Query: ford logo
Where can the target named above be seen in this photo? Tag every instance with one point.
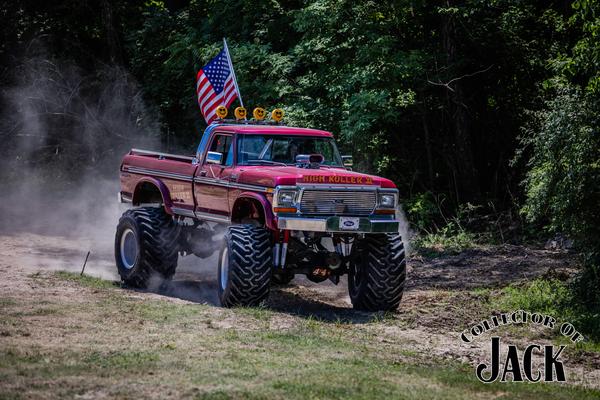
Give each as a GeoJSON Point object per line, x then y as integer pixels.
{"type": "Point", "coordinates": [348, 223]}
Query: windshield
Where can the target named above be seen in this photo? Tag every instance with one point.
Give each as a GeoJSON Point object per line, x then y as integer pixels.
{"type": "Point", "coordinates": [278, 149]}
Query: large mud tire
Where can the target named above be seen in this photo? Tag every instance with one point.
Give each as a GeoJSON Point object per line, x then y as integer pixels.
{"type": "Point", "coordinates": [245, 264]}
{"type": "Point", "coordinates": [146, 244]}
{"type": "Point", "coordinates": [377, 273]}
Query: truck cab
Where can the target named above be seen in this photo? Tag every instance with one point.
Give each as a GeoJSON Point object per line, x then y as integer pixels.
{"type": "Point", "coordinates": [273, 164]}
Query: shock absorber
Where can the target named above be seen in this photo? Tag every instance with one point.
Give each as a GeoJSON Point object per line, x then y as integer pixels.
{"type": "Point", "coordinates": [337, 243]}
{"type": "Point", "coordinates": [276, 248]}
{"type": "Point", "coordinates": [282, 239]}
{"type": "Point", "coordinates": [284, 247]}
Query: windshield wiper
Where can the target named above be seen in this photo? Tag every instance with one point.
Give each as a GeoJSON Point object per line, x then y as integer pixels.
{"type": "Point", "coordinates": [267, 162]}
{"type": "Point", "coordinates": [265, 149]}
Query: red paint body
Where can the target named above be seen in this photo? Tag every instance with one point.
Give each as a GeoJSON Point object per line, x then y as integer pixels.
{"type": "Point", "coordinates": [193, 188]}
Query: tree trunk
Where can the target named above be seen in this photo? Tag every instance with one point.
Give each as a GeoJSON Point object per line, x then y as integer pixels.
{"type": "Point", "coordinates": [112, 38]}
{"type": "Point", "coordinates": [427, 146]}
{"type": "Point", "coordinates": [467, 176]}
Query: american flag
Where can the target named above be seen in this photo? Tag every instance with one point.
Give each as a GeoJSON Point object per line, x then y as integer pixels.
{"type": "Point", "coordinates": [215, 86]}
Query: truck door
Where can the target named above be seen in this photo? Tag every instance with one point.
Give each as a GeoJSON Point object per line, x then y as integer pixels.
{"type": "Point", "coordinates": [212, 179]}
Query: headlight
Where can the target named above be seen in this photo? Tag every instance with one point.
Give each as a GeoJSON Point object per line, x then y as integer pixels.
{"type": "Point", "coordinates": [387, 200]}
{"type": "Point", "coordinates": [286, 197]}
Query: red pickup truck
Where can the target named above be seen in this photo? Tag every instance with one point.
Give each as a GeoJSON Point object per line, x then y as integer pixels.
{"type": "Point", "coordinates": [274, 201]}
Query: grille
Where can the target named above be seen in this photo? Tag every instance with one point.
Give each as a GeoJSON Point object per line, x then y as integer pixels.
{"type": "Point", "coordinates": [337, 202]}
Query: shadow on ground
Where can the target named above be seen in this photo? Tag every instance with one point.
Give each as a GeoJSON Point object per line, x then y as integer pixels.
{"type": "Point", "coordinates": [300, 298]}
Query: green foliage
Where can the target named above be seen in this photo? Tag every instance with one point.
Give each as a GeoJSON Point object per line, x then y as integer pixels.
{"type": "Point", "coordinates": [563, 181]}
{"type": "Point", "coordinates": [422, 211]}
{"type": "Point", "coordinates": [438, 234]}
{"type": "Point", "coordinates": [563, 184]}
{"type": "Point", "coordinates": [552, 297]}
{"type": "Point", "coordinates": [373, 73]}
{"type": "Point", "coordinates": [583, 64]}
{"type": "Point", "coordinates": [429, 95]}
{"type": "Point", "coordinates": [450, 239]}
{"type": "Point", "coordinates": [444, 230]}
{"type": "Point", "coordinates": [540, 295]}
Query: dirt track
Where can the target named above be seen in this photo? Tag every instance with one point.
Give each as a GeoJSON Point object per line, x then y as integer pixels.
{"type": "Point", "coordinates": [437, 305]}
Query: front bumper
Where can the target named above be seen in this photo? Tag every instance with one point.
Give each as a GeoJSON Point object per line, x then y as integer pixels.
{"type": "Point", "coordinates": [332, 224]}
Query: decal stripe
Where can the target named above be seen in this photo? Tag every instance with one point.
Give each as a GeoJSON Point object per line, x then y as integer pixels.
{"type": "Point", "coordinates": [145, 171]}
{"type": "Point", "coordinates": [187, 178]}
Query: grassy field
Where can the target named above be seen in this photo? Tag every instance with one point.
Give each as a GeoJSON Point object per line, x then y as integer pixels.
{"type": "Point", "coordinates": [85, 337]}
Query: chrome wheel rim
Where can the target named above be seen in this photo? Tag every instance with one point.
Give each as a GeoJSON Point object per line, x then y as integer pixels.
{"type": "Point", "coordinates": [224, 268]}
{"type": "Point", "coordinates": [129, 248]}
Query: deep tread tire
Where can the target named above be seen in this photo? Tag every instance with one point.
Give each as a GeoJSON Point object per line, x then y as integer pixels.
{"type": "Point", "coordinates": [250, 259]}
{"type": "Point", "coordinates": [157, 238]}
{"type": "Point", "coordinates": [378, 273]}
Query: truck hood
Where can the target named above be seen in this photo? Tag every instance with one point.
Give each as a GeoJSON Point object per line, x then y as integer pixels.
{"type": "Point", "coordinates": [272, 176]}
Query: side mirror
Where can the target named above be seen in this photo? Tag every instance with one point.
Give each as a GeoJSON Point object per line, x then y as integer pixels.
{"type": "Point", "coordinates": [214, 157]}
{"type": "Point", "coordinates": [347, 161]}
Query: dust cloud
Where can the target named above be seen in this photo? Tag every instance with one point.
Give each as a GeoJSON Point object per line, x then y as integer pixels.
{"type": "Point", "coordinates": [63, 132]}
{"type": "Point", "coordinates": [404, 229]}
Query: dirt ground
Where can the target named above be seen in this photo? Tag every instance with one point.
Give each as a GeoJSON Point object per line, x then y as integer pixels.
{"type": "Point", "coordinates": [441, 298]}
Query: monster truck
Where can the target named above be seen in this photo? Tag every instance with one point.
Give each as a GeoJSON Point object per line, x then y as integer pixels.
{"type": "Point", "coordinates": [274, 201]}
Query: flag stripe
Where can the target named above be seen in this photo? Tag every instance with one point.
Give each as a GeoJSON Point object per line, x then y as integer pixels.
{"type": "Point", "coordinates": [207, 100]}
{"type": "Point", "coordinates": [230, 93]}
{"type": "Point", "coordinates": [211, 100]}
{"type": "Point", "coordinates": [229, 99]}
{"type": "Point", "coordinates": [202, 79]}
{"type": "Point", "coordinates": [206, 86]}
{"type": "Point", "coordinates": [212, 105]}
{"type": "Point", "coordinates": [229, 86]}
{"type": "Point", "coordinates": [215, 86]}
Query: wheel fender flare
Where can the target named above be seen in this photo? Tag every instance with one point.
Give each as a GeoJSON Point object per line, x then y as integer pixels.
{"type": "Point", "coordinates": [162, 188]}
{"type": "Point", "coordinates": [267, 211]}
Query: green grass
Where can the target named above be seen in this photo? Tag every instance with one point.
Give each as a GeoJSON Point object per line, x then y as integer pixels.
{"type": "Point", "coordinates": [162, 312]}
{"type": "Point", "coordinates": [259, 313]}
{"type": "Point", "coordinates": [7, 302]}
{"type": "Point", "coordinates": [540, 295]}
{"type": "Point", "coordinates": [86, 280]}
{"type": "Point", "coordinates": [286, 366]}
{"type": "Point", "coordinates": [132, 347]}
{"type": "Point", "coordinates": [123, 360]}
{"type": "Point", "coordinates": [552, 297]}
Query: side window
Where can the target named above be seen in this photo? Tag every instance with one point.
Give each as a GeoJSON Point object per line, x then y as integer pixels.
{"type": "Point", "coordinates": [223, 144]}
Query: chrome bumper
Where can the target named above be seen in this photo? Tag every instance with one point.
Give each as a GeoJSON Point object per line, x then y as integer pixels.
{"type": "Point", "coordinates": [332, 224]}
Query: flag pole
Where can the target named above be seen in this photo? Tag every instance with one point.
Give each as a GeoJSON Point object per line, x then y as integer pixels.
{"type": "Point", "coordinates": [237, 88]}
